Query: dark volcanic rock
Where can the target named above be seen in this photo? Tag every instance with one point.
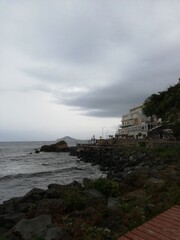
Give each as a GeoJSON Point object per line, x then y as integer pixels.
{"type": "Point", "coordinates": [33, 195]}
{"type": "Point", "coordinates": [136, 188]}
{"type": "Point", "coordinates": [9, 205]}
{"type": "Point", "coordinates": [94, 193]}
{"type": "Point", "coordinates": [28, 229]}
{"type": "Point", "coordinates": [9, 220]}
{"type": "Point", "coordinates": [49, 206]}
{"type": "Point", "coordinates": [60, 146]}
{"type": "Point", "coordinates": [118, 164]}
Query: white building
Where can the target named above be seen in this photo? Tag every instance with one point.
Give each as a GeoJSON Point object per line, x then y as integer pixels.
{"type": "Point", "coordinates": [135, 124]}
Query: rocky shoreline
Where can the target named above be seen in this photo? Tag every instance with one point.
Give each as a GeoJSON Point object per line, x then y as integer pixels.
{"type": "Point", "coordinates": [139, 185]}
{"type": "Point", "coordinates": [119, 164]}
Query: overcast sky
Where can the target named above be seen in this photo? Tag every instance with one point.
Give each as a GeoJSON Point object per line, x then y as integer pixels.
{"type": "Point", "coordinates": [73, 67]}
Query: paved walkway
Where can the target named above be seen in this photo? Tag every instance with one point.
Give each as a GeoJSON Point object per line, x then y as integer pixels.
{"type": "Point", "coordinates": [165, 226]}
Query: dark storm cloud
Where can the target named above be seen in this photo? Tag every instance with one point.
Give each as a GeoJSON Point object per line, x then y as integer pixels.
{"type": "Point", "coordinates": [152, 74]}
{"type": "Point", "coordinates": [109, 101]}
{"type": "Point", "coordinates": [101, 57]}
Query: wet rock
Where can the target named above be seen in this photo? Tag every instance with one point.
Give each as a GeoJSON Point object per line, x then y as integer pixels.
{"type": "Point", "coordinates": [24, 206]}
{"type": "Point", "coordinates": [37, 150]}
{"type": "Point", "coordinates": [9, 220]}
{"type": "Point", "coordinates": [29, 229]}
{"type": "Point", "coordinates": [10, 205]}
{"type": "Point", "coordinates": [49, 206]}
{"type": "Point", "coordinates": [34, 195]}
{"type": "Point", "coordinates": [75, 184]}
{"type": "Point", "coordinates": [113, 203]}
{"type": "Point", "coordinates": [55, 186]}
{"type": "Point", "coordinates": [112, 222]}
{"type": "Point", "coordinates": [118, 176]}
{"type": "Point", "coordinates": [55, 191]}
{"type": "Point", "coordinates": [60, 146]}
{"type": "Point", "coordinates": [86, 181]}
{"type": "Point", "coordinates": [3, 231]}
{"type": "Point", "coordinates": [55, 233]}
{"type": "Point", "coordinates": [94, 193]}
{"type": "Point", "coordinates": [52, 193]}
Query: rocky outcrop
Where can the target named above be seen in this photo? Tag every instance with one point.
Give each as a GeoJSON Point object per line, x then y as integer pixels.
{"type": "Point", "coordinates": [120, 165]}
{"type": "Point", "coordinates": [60, 146]}
{"type": "Point", "coordinates": [139, 186]}
{"type": "Point", "coordinates": [40, 227]}
{"type": "Point", "coordinates": [35, 227]}
{"type": "Point", "coordinates": [46, 214]}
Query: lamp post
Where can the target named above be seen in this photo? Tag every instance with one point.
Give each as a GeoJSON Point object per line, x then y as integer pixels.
{"type": "Point", "coordinates": [107, 132]}
{"type": "Point", "coordinates": [103, 132]}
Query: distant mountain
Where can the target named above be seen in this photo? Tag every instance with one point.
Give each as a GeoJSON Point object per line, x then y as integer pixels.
{"type": "Point", "coordinates": [72, 141]}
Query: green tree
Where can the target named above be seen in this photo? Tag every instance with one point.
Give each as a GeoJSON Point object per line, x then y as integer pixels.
{"type": "Point", "coordinates": [165, 104]}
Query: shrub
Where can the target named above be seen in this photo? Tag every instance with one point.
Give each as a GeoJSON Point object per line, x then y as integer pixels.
{"type": "Point", "coordinates": [74, 201]}
{"type": "Point", "coordinates": [106, 186]}
{"type": "Point", "coordinates": [169, 152]}
{"type": "Point", "coordinates": [98, 233]}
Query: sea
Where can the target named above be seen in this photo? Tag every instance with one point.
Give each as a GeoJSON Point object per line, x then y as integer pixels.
{"type": "Point", "coordinates": [21, 169]}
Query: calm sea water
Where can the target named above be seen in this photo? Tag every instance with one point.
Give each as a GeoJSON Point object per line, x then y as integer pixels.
{"type": "Point", "coordinates": [21, 171]}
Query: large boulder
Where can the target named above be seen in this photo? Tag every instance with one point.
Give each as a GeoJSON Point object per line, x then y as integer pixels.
{"type": "Point", "coordinates": [33, 195]}
{"type": "Point", "coordinates": [9, 220]}
{"type": "Point", "coordinates": [40, 227]}
{"type": "Point", "coordinates": [60, 146]}
{"type": "Point", "coordinates": [29, 229]}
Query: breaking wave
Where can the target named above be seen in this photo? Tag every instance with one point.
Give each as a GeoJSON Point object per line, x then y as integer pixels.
{"type": "Point", "coordinates": [21, 171]}
{"type": "Point", "coordinates": [38, 174]}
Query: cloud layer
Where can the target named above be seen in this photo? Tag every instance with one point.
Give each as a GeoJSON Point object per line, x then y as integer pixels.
{"type": "Point", "coordinates": [96, 57]}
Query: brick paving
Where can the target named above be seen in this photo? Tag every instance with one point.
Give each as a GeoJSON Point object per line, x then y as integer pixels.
{"type": "Point", "coordinates": [165, 226]}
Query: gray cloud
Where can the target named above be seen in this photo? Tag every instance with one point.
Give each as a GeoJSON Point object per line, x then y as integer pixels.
{"type": "Point", "coordinates": [101, 57]}
{"type": "Point", "coordinates": [108, 102]}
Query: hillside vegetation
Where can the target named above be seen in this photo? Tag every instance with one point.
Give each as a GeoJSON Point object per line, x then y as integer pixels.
{"type": "Point", "coordinates": [165, 105]}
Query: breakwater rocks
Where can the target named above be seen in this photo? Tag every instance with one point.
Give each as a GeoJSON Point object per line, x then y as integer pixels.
{"type": "Point", "coordinates": [139, 185]}
{"type": "Point", "coordinates": [73, 211]}
{"type": "Point", "coordinates": [120, 164]}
